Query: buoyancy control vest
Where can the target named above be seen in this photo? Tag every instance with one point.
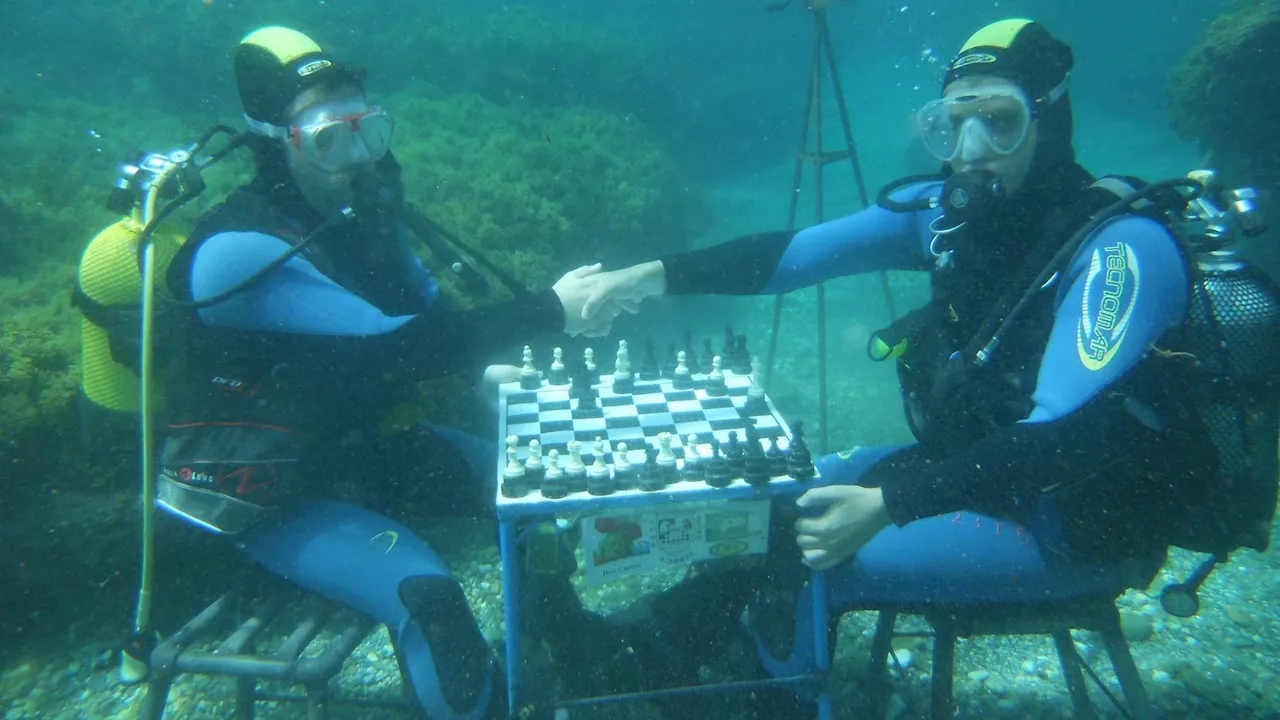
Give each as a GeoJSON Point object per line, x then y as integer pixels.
{"type": "Point", "coordinates": [1217, 375]}
{"type": "Point", "coordinates": [246, 408]}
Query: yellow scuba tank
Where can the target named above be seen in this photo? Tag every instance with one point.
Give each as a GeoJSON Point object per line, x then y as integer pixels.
{"type": "Point", "coordinates": [108, 293]}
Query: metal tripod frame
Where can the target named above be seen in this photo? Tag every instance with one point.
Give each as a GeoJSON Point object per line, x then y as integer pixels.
{"type": "Point", "coordinates": [820, 159]}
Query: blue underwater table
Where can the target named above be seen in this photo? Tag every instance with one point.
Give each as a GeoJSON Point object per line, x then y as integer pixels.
{"type": "Point", "coordinates": [638, 418]}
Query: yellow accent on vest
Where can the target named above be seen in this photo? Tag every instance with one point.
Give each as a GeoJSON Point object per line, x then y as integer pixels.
{"type": "Point", "coordinates": [1000, 34]}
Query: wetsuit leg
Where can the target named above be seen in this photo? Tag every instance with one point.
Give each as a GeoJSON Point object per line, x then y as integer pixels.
{"type": "Point", "coordinates": [958, 558]}
{"type": "Point", "coordinates": [379, 567]}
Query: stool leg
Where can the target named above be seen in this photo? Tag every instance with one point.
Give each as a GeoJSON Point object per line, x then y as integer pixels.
{"type": "Point", "coordinates": [944, 667]}
{"type": "Point", "coordinates": [246, 688]}
{"type": "Point", "coordinates": [1126, 670]}
{"type": "Point", "coordinates": [878, 683]}
{"type": "Point", "coordinates": [1075, 676]}
{"type": "Point", "coordinates": [156, 698]}
{"type": "Point", "coordinates": [318, 701]}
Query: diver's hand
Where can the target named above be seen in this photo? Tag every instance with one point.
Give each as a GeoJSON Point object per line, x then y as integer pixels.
{"type": "Point", "coordinates": [498, 374]}
{"type": "Point", "coordinates": [573, 290]}
{"type": "Point", "coordinates": [625, 289]}
{"type": "Point", "coordinates": [853, 515]}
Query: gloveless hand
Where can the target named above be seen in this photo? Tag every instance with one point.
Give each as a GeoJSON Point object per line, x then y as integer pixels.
{"type": "Point", "coordinates": [852, 516]}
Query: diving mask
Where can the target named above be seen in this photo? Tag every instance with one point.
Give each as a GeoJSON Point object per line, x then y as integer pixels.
{"type": "Point", "coordinates": [336, 136]}
{"type": "Point", "coordinates": [972, 125]}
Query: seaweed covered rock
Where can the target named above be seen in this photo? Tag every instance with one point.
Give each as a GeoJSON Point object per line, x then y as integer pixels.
{"type": "Point", "coordinates": [544, 190]}
{"type": "Point", "coordinates": [1224, 95]}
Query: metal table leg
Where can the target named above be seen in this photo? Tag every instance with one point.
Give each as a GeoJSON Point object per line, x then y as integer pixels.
{"type": "Point", "coordinates": [511, 607]}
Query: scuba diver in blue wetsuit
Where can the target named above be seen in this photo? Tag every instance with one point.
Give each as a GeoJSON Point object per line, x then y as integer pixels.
{"type": "Point", "coordinates": [302, 318]}
{"type": "Point", "coordinates": [1089, 384]}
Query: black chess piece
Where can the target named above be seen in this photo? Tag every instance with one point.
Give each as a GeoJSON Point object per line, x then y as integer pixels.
{"type": "Point", "coordinates": [716, 468]}
{"type": "Point", "coordinates": [691, 356]}
{"type": "Point", "coordinates": [756, 467]}
{"type": "Point", "coordinates": [735, 455]}
{"type": "Point", "coordinates": [708, 357]}
{"type": "Point", "coordinates": [669, 367]}
{"type": "Point", "coordinates": [740, 362]}
{"type": "Point", "coordinates": [799, 461]}
{"type": "Point", "coordinates": [651, 476]}
{"type": "Point", "coordinates": [649, 363]}
{"type": "Point", "coordinates": [588, 406]}
{"type": "Point", "coordinates": [726, 354]}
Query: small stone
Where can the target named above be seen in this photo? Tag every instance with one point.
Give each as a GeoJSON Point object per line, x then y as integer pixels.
{"type": "Point", "coordinates": [1160, 676]}
{"type": "Point", "coordinates": [1029, 667]}
{"type": "Point", "coordinates": [979, 675]}
{"type": "Point", "coordinates": [1136, 628]}
{"type": "Point", "coordinates": [1239, 617]}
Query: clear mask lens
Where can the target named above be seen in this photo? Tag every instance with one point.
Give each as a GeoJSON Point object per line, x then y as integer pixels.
{"type": "Point", "coordinates": [339, 142]}
{"type": "Point", "coordinates": [974, 126]}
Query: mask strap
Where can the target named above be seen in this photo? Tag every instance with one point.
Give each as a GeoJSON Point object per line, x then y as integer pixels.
{"type": "Point", "coordinates": [257, 127]}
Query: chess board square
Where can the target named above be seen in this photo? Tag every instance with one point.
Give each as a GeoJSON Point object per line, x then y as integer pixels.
{"type": "Point", "coordinates": [557, 425]}
{"type": "Point", "coordinates": [735, 423]}
{"type": "Point", "coordinates": [655, 408]}
{"type": "Point", "coordinates": [723, 413]}
{"type": "Point", "coordinates": [522, 418]}
{"type": "Point", "coordinates": [596, 426]}
{"type": "Point", "coordinates": [622, 411]}
{"type": "Point", "coordinates": [717, 402]}
{"type": "Point", "coordinates": [682, 418]}
{"type": "Point", "coordinates": [609, 401]}
{"type": "Point", "coordinates": [530, 408]}
{"type": "Point", "coordinates": [675, 396]}
{"type": "Point", "coordinates": [628, 434]}
{"type": "Point", "coordinates": [679, 406]}
{"type": "Point", "coordinates": [655, 419]}
{"type": "Point", "coordinates": [522, 398]}
{"type": "Point", "coordinates": [701, 427]}
{"type": "Point", "coordinates": [563, 415]}
{"type": "Point", "coordinates": [622, 421]}
{"type": "Point", "coordinates": [524, 429]}
{"type": "Point", "coordinates": [555, 440]}
{"type": "Point", "coordinates": [554, 405]}
{"type": "Point", "coordinates": [650, 396]}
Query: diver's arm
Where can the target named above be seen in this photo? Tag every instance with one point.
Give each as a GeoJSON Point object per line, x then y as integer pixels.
{"type": "Point", "coordinates": [298, 300]}
{"type": "Point", "coordinates": [1125, 290]}
{"type": "Point", "coordinates": [779, 262]}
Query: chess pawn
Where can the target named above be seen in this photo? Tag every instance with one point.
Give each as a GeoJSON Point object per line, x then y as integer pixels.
{"type": "Point", "coordinates": [667, 460]}
{"type": "Point", "coordinates": [553, 482]}
{"type": "Point", "coordinates": [681, 379]}
{"type": "Point", "coordinates": [575, 472]}
{"type": "Point", "coordinates": [589, 357]}
{"type": "Point", "coordinates": [534, 470]}
{"type": "Point", "coordinates": [529, 377]}
{"type": "Point", "coordinates": [777, 459]}
{"type": "Point", "coordinates": [691, 471]}
{"type": "Point", "coordinates": [716, 468]}
{"type": "Point", "coordinates": [756, 403]}
{"type": "Point", "coordinates": [715, 380]}
{"type": "Point", "coordinates": [735, 456]}
{"type": "Point", "coordinates": [598, 482]}
{"type": "Point", "coordinates": [558, 376]}
{"type": "Point", "coordinates": [513, 477]}
{"type": "Point", "coordinates": [624, 475]}
{"type": "Point", "coordinates": [799, 461]}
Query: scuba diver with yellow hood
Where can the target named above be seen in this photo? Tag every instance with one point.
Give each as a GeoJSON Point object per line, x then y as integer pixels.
{"type": "Point", "coordinates": [1095, 378]}
{"type": "Point", "coordinates": [296, 318]}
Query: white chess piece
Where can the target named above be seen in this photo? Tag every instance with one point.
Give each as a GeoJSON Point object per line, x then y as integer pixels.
{"type": "Point", "coordinates": [575, 458]}
{"type": "Point", "coordinates": [682, 366]}
{"type": "Point", "coordinates": [534, 462]}
{"type": "Point", "coordinates": [717, 374]}
{"type": "Point", "coordinates": [589, 357]}
{"type": "Point", "coordinates": [557, 362]}
{"type": "Point", "coordinates": [620, 461]}
{"type": "Point", "coordinates": [666, 458]}
{"type": "Point", "coordinates": [514, 469]}
{"type": "Point", "coordinates": [622, 367]}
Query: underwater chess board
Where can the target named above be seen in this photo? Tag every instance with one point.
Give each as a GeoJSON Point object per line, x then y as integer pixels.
{"type": "Point", "coordinates": [550, 414]}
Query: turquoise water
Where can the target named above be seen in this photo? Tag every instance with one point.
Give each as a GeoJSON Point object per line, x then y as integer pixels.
{"type": "Point", "coordinates": [715, 90]}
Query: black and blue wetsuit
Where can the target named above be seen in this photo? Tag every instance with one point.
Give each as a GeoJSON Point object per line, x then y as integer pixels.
{"type": "Point", "coordinates": [277, 400]}
{"type": "Point", "coordinates": [1058, 474]}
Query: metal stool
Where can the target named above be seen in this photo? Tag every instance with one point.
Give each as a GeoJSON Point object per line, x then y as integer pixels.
{"type": "Point", "coordinates": [1057, 620]}
{"type": "Point", "coordinates": [233, 655]}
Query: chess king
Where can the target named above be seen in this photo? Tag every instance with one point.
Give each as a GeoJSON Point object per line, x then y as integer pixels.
{"type": "Point", "coordinates": [1064, 382]}
{"type": "Point", "coordinates": [299, 319]}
